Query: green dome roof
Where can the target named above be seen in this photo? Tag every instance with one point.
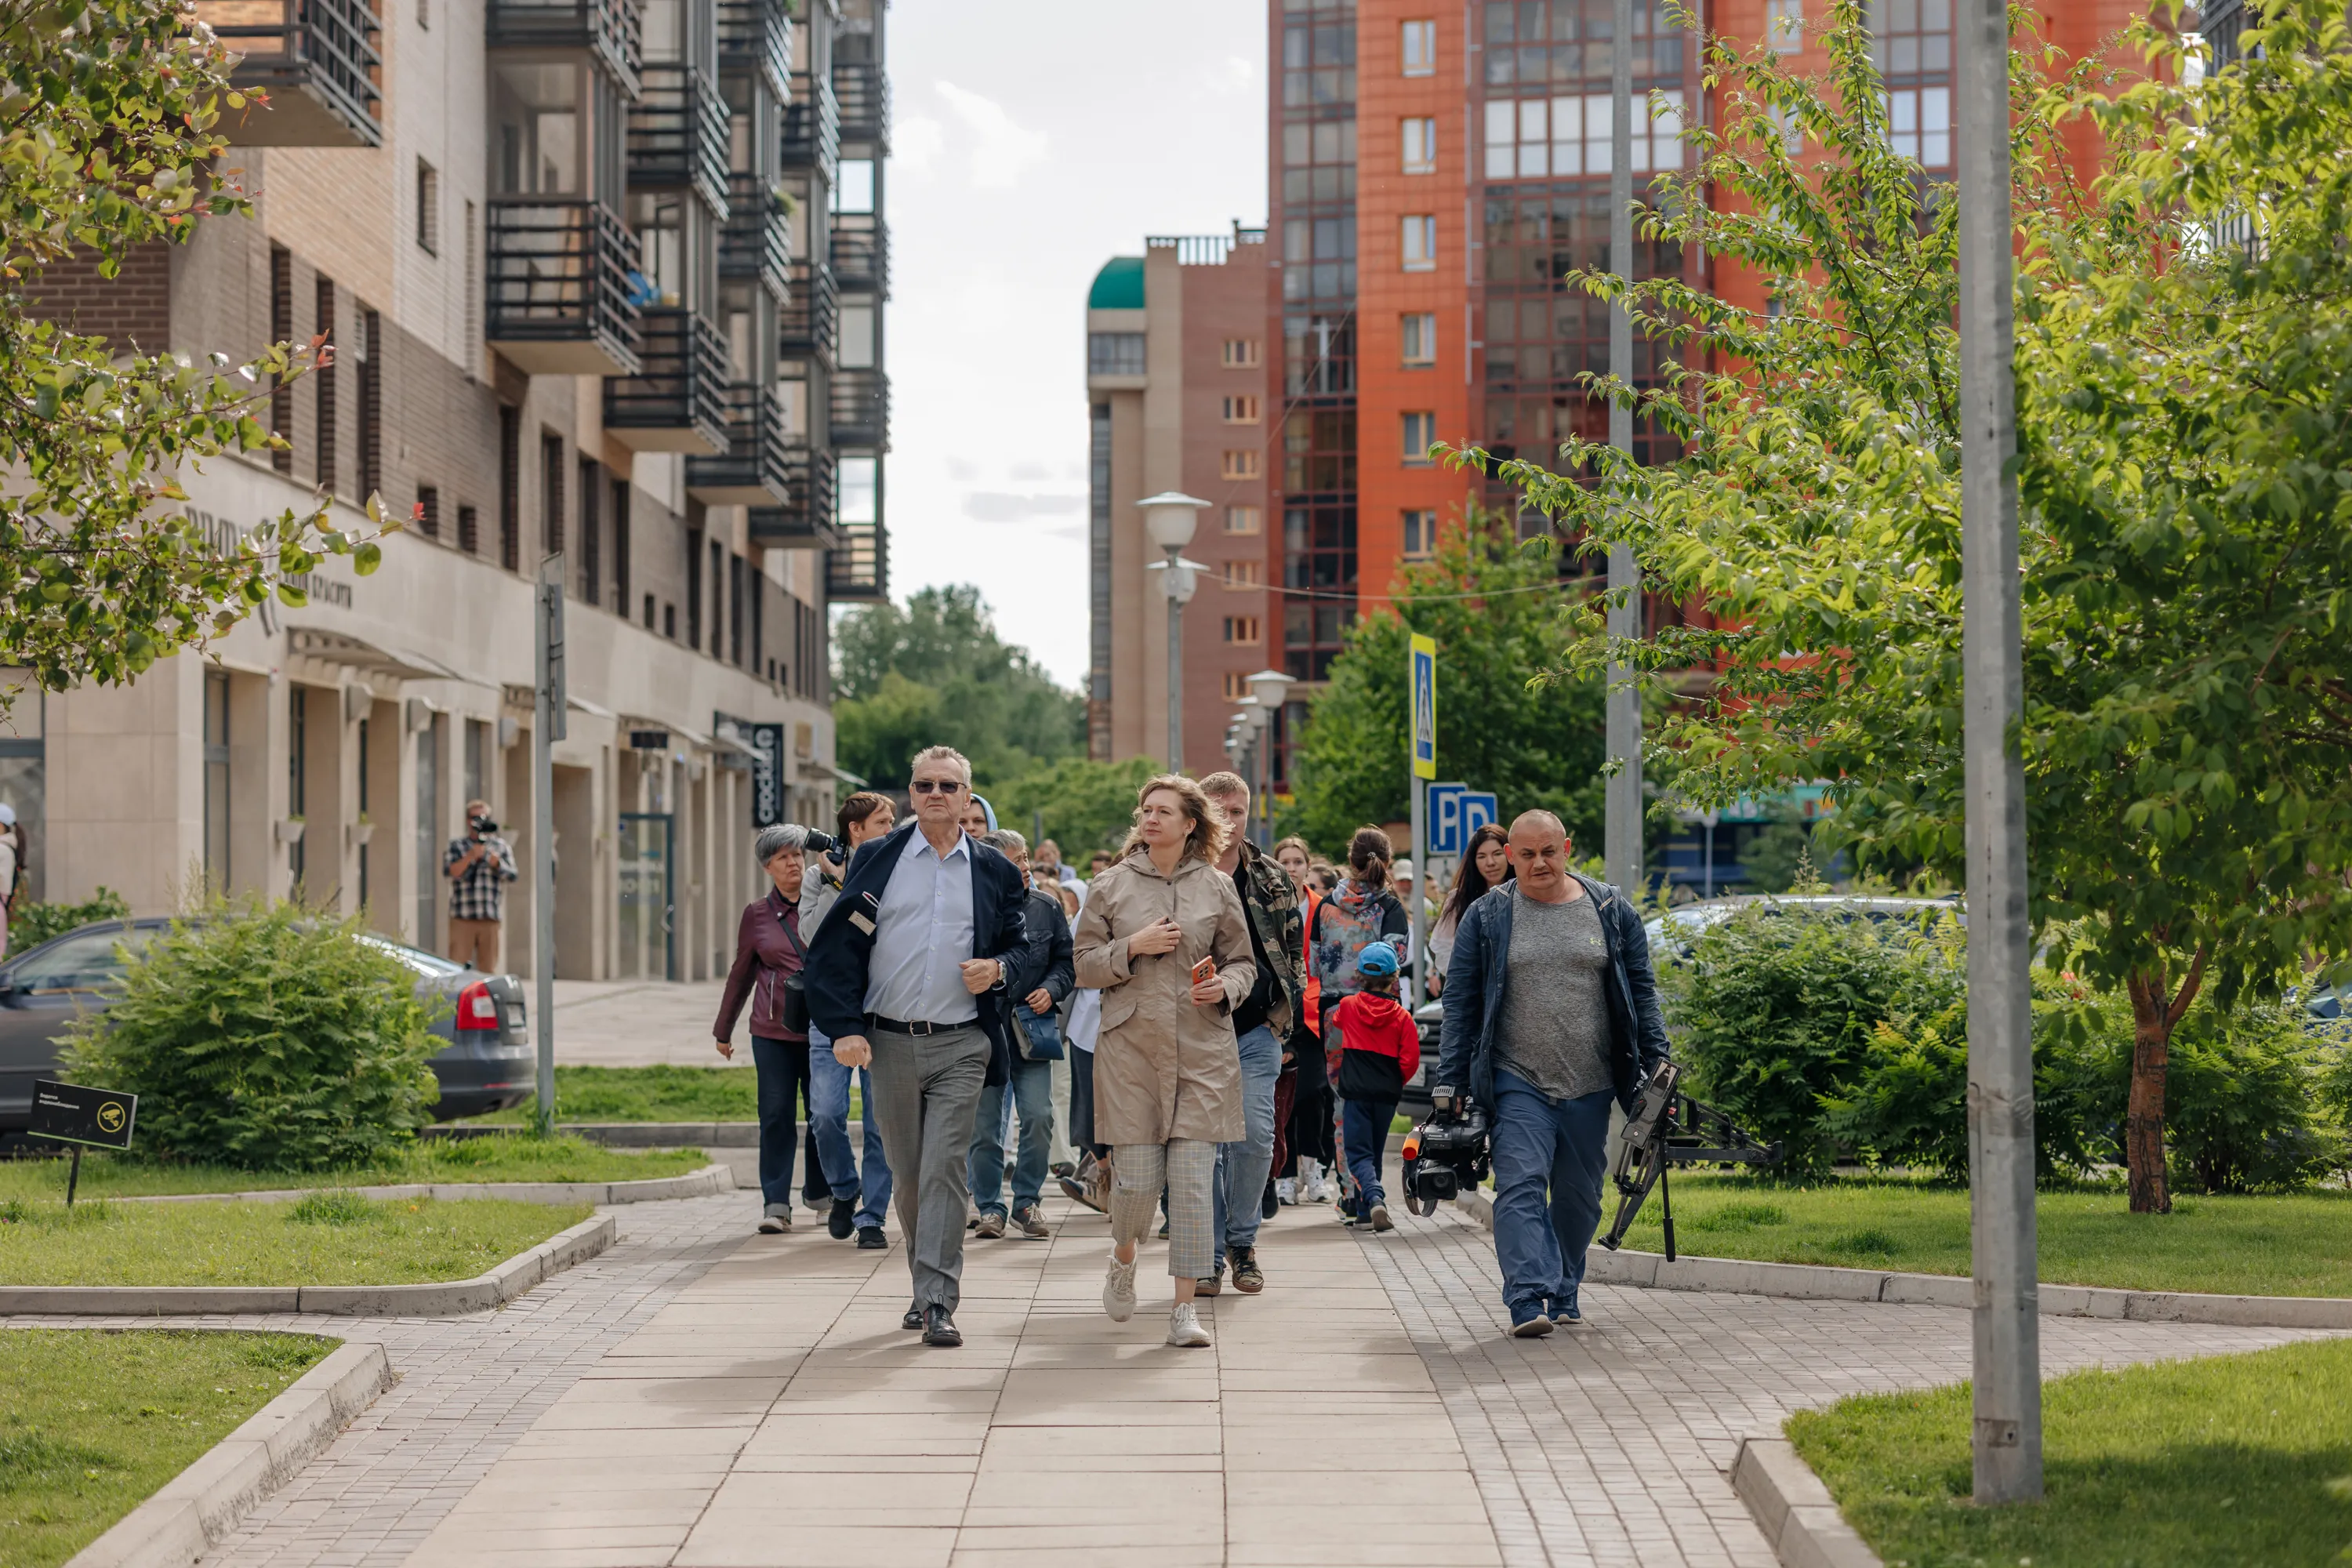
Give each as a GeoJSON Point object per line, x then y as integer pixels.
{"type": "Point", "coordinates": [1118, 286]}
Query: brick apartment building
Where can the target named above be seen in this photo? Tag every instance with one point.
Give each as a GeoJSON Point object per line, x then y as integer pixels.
{"type": "Point", "coordinates": [604, 283]}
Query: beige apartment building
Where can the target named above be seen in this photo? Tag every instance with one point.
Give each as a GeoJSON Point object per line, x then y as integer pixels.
{"type": "Point", "coordinates": [604, 284]}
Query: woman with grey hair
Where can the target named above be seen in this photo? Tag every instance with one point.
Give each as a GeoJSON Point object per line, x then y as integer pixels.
{"type": "Point", "coordinates": [769, 951]}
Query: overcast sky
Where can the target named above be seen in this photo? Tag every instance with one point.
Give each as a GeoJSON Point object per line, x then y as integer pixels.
{"type": "Point", "coordinates": [1034, 140]}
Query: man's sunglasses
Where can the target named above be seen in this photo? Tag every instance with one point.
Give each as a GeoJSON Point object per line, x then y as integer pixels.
{"type": "Point", "coordinates": [936, 787]}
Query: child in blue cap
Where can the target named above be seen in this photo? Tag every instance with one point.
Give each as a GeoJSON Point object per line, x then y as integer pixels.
{"type": "Point", "coordinates": [1381, 1048]}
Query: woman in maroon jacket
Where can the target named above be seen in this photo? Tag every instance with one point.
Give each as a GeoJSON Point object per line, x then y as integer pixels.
{"type": "Point", "coordinates": [768, 952]}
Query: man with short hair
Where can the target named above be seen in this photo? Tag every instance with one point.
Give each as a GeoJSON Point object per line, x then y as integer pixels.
{"type": "Point", "coordinates": [907, 975]}
{"type": "Point", "coordinates": [1551, 1013]}
{"type": "Point", "coordinates": [479, 863]}
{"type": "Point", "coordinates": [1262, 1021]}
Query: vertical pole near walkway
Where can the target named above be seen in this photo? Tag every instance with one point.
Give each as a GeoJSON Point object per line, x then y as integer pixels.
{"type": "Point", "coordinates": [549, 705]}
{"type": "Point", "coordinates": [2008, 1330]}
{"type": "Point", "coordinates": [1622, 824]}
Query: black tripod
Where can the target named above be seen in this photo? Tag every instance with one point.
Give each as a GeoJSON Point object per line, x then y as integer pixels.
{"type": "Point", "coordinates": [1669, 1128]}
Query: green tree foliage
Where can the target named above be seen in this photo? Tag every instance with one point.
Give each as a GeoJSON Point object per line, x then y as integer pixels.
{"type": "Point", "coordinates": [265, 1036]}
{"type": "Point", "coordinates": [36, 923]}
{"type": "Point", "coordinates": [935, 672]}
{"type": "Point", "coordinates": [2185, 475]}
{"type": "Point", "coordinates": [2247, 1095]}
{"type": "Point", "coordinates": [108, 140]}
{"type": "Point", "coordinates": [1086, 805]}
{"type": "Point", "coordinates": [1491, 604]}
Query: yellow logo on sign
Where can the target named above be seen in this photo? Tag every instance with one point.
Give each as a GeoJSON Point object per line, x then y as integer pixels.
{"type": "Point", "coordinates": [109, 1117]}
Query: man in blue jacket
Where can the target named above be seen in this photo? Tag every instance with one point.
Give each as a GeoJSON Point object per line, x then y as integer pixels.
{"type": "Point", "coordinates": [1551, 1013]}
{"type": "Point", "coordinates": [907, 974]}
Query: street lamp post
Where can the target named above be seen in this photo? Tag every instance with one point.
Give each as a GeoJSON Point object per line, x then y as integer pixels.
{"type": "Point", "coordinates": [1257, 724]}
{"type": "Point", "coordinates": [1270, 688]}
{"type": "Point", "coordinates": [1169, 518]}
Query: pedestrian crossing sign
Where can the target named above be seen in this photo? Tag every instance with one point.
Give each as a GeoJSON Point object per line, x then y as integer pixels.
{"type": "Point", "coordinates": [1424, 686]}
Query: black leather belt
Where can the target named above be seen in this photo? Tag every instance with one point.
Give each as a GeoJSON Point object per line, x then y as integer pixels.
{"type": "Point", "coordinates": [900, 1027]}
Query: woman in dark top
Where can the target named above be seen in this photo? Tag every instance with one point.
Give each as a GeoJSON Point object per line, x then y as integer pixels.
{"type": "Point", "coordinates": [769, 951]}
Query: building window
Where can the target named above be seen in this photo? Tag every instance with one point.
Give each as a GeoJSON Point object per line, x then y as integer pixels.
{"type": "Point", "coordinates": [1420, 139]}
{"type": "Point", "coordinates": [1919, 124]}
{"type": "Point", "coordinates": [323, 379]}
{"type": "Point", "coordinates": [1420, 242]}
{"type": "Point", "coordinates": [1240, 629]}
{"type": "Point", "coordinates": [1242, 574]}
{"type": "Point", "coordinates": [1243, 520]}
{"type": "Point", "coordinates": [369, 355]}
{"type": "Point", "coordinates": [281, 330]}
{"type": "Point", "coordinates": [1114, 354]}
{"type": "Point", "coordinates": [1237, 686]}
{"type": "Point", "coordinates": [550, 493]}
{"type": "Point", "coordinates": [620, 553]}
{"type": "Point", "coordinates": [510, 486]}
{"type": "Point", "coordinates": [649, 612]}
{"type": "Point", "coordinates": [1241, 353]}
{"type": "Point", "coordinates": [1240, 463]}
{"type": "Point", "coordinates": [1242, 410]}
{"type": "Point", "coordinates": [694, 591]}
{"type": "Point", "coordinates": [1419, 430]}
{"type": "Point", "coordinates": [469, 531]}
{"type": "Point", "coordinates": [428, 510]}
{"type": "Point", "coordinates": [1784, 24]}
{"type": "Point", "coordinates": [1538, 138]}
{"type": "Point", "coordinates": [1421, 48]}
{"type": "Point", "coordinates": [1418, 331]}
{"type": "Point", "coordinates": [1419, 535]}
{"type": "Point", "coordinates": [669, 621]}
{"type": "Point", "coordinates": [216, 778]}
{"type": "Point", "coordinates": [428, 209]}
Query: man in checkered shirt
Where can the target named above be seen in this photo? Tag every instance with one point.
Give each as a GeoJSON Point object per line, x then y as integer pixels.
{"type": "Point", "coordinates": [479, 866]}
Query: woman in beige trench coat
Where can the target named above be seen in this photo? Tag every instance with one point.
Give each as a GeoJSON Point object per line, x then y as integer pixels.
{"type": "Point", "coordinates": [1168, 1075]}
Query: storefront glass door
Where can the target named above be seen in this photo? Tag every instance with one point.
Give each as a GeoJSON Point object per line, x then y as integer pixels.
{"type": "Point", "coordinates": [648, 896]}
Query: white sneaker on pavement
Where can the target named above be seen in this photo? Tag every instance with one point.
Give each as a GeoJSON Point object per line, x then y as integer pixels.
{"type": "Point", "coordinates": [1285, 1191]}
{"type": "Point", "coordinates": [1185, 1325]}
{"type": "Point", "coordinates": [1119, 1290]}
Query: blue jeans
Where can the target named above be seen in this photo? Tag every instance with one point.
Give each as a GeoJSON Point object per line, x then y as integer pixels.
{"type": "Point", "coordinates": [1364, 1131]}
{"type": "Point", "coordinates": [1549, 1155]}
{"type": "Point", "coordinates": [1242, 1167]}
{"type": "Point", "coordinates": [782, 1066]}
{"type": "Point", "coordinates": [829, 1115]}
{"type": "Point", "coordinates": [1032, 1084]}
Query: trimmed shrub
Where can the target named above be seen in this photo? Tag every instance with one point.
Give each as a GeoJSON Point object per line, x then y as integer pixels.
{"type": "Point", "coordinates": [265, 1036]}
{"type": "Point", "coordinates": [36, 923]}
{"type": "Point", "coordinates": [2245, 1096]}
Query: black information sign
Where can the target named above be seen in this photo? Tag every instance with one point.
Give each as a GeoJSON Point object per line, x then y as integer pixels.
{"type": "Point", "coordinates": [71, 1113]}
{"type": "Point", "coordinates": [767, 744]}
{"type": "Point", "coordinates": [649, 739]}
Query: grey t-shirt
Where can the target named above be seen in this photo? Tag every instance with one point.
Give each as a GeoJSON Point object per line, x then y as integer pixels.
{"type": "Point", "coordinates": [1554, 1031]}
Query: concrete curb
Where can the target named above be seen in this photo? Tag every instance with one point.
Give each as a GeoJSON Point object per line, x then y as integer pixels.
{"type": "Point", "coordinates": [1794, 1509]}
{"type": "Point", "coordinates": [625, 1134]}
{"type": "Point", "coordinates": [693, 1184]}
{"type": "Point", "coordinates": [1814, 1282]}
{"type": "Point", "coordinates": [198, 1506]}
{"type": "Point", "coordinates": [439, 1298]}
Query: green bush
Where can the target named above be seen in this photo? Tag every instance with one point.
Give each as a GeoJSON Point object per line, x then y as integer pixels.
{"type": "Point", "coordinates": [2245, 1101]}
{"type": "Point", "coordinates": [36, 923]}
{"type": "Point", "coordinates": [265, 1036]}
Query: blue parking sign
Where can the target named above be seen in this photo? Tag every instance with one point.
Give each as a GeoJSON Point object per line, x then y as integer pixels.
{"type": "Point", "coordinates": [1477, 811]}
{"type": "Point", "coordinates": [1445, 833]}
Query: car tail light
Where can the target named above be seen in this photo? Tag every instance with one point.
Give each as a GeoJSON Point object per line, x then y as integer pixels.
{"type": "Point", "coordinates": [476, 1008]}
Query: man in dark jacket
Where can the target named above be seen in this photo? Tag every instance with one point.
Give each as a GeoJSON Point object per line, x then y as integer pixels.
{"type": "Point", "coordinates": [1040, 976]}
{"type": "Point", "coordinates": [907, 974]}
{"type": "Point", "coordinates": [1551, 1014]}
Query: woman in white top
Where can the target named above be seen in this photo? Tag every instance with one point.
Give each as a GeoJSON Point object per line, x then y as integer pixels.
{"type": "Point", "coordinates": [1487, 867]}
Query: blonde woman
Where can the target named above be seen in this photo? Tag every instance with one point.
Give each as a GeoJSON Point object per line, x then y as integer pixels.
{"type": "Point", "coordinates": [1167, 1070]}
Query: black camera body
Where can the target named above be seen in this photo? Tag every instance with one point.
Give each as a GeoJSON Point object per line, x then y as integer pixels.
{"type": "Point", "coordinates": [1446, 1157]}
{"type": "Point", "coordinates": [822, 843]}
{"type": "Point", "coordinates": [482, 824]}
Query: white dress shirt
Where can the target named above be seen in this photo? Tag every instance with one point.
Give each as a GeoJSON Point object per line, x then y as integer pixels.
{"type": "Point", "coordinates": [922, 937]}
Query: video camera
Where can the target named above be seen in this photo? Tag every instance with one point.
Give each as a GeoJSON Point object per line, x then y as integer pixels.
{"type": "Point", "coordinates": [1669, 1128]}
{"type": "Point", "coordinates": [483, 824]}
{"type": "Point", "coordinates": [1444, 1158]}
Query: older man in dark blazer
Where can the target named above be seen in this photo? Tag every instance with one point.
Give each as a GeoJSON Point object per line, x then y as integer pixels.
{"type": "Point", "coordinates": [907, 974]}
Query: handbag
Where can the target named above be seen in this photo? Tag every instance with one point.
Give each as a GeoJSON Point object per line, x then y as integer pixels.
{"type": "Point", "coordinates": [795, 1009]}
{"type": "Point", "coordinates": [1041, 1033]}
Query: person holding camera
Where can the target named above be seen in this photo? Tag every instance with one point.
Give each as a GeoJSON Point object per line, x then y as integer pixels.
{"type": "Point", "coordinates": [479, 865]}
{"type": "Point", "coordinates": [1552, 1011]}
{"type": "Point", "coordinates": [860, 1192]}
{"type": "Point", "coordinates": [768, 956]}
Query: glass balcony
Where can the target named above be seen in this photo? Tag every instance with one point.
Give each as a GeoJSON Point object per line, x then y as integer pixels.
{"type": "Point", "coordinates": [556, 294]}
{"type": "Point", "coordinates": [863, 92]}
{"type": "Point", "coordinates": [757, 35]}
{"type": "Point", "coordinates": [677, 402]}
{"type": "Point", "coordinates": [811, 125]}
{"type": "Point", "coordinates": [757, 239]}
{"type": "Point", "coordinates": [610, 29]}
{"type": "Point", "coordinates": [810, 319]}
{"type": "Point", "coordinates": [861, 409]}
{"type": "Point", "coordinates": [316, 59]}
{"type": "Point", "coordinates": [751, 471]}
{"type": "Point", "coordinates": [805, 520]}
{"type": "Point", "coordinates": [857, 570]}
{"type": "Point", "coordinates": [677, 134]}
{"type": "Point", "coordinates": [861, 258]}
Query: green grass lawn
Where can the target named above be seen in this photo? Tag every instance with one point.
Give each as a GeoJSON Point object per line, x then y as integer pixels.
{"type": "Point", "coordinates": [2203, 1464]}
{"type": "Point", "coordinates": [331, 1237]}
{"type": "Point", "coordinates": [93, 1422]}
{"type": "Point", "coordinates": [428, 1159]}
{"type": "Point", "coordinates": [714, 1093]}
{"type": "Point", "coordinates": [2298, 1245]}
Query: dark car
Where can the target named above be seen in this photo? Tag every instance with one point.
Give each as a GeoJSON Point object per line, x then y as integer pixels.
{"type": "Point", "coordinates": [487, 1065]}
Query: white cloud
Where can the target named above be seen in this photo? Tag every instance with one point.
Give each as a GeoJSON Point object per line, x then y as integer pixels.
{"type": "Point", "coordinates": [916, 143]}
{"type": "Point", "coordinates": [999, 506]}
{"type": "Point", "coordinates": [1003, 148]}
{"type": "Point", "coordinates": [1233, 74]}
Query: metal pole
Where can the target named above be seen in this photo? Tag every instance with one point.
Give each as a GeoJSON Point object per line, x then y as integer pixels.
{"type": "Point", "coordinates": [1622, 833]}
{"type": "Point", "coordinates": [2008, 1346]}
{"type": "Point", "coordinates": [545, 716]}
{"type": "Point", "coordinates": [1175, 668]}
{"type": "Point", "coordinates": [1414, 901]}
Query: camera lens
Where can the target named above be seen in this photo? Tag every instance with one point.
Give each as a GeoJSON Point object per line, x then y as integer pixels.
{"type": "Point", "coordinates": [822, 843]}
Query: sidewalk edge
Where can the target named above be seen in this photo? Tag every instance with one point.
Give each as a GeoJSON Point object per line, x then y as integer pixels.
{"type": "Point", "coordinates": [709, 1179]}
{"type": "Point", "coordinates": [1794, 1510]}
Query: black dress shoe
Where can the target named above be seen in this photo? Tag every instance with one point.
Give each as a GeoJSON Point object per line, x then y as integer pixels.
{"type": "Point", "coordinates": [913, 1319]}
{"type": "Point", "coordinates": [938, 1327]}
{"type": "Point", "coordinates": [837, 1222]}
{"type": "Point", "coordinates": [870, 1239]}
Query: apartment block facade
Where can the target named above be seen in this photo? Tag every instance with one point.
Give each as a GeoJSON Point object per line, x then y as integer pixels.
{"type": "Point", "coordinates": [603, 283]}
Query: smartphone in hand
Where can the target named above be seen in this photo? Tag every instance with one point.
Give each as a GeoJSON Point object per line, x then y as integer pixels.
{"type": "Point", "coordinates": [1205, 969]}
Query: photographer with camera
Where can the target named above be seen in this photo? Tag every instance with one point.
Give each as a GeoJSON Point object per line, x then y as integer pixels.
{"type": "Point", "coordinates": [479, 865]}
{"type": "Point", "coordinates": [1552, 1010]}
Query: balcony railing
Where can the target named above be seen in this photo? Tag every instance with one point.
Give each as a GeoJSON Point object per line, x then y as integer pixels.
{"type": "Point", "coordinates": [805, 520]}
{"type": "Point", "coordinates": [861, 409]}
{"type": "Point", "coordinates": [610, 29]}
{"type": "Point", "coordinates": [752, 470]}
{"type": "Point", "coordinates": [810, 325]}
{"type": "Point", "coordinates": [557, 292]}
{"type": "Point", "coordinates": [677, 132]}
{"type": "Point", "coordinates": [811, 125]}
{"type": "Point", "coordinates": [859, 570]}
{"type": "Point", "coordinates": [677, 400]}
{"type": "Point", "coordinates": [757, 35]}
{"type": "Point", "coordinates": [861, 258]}
{"type": "Point", "coordinates": [757, 239]}
{"type": "Point", "coordinates": [316, 59]}
{"type": "Point", "coordinates": [863, 92]}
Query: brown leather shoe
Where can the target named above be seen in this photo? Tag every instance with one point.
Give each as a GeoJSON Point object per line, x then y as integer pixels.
{"type": "Point", "coordinates": [1248, 1277]}
{"type": "Point", "coordinates": [1209, 1285]}
{"type": "Point", "coordinates": [1032, 1221]}
{"type": "Point", "coordinates": [991, 1225]}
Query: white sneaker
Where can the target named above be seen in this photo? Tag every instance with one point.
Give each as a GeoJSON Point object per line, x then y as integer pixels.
{"type": "Point", "coordinates": [1119, 1290]}
{"type": "Point", "coordinates": [1285, 1191]}
{"type": "Point", "coordinates": [1183, 1324]}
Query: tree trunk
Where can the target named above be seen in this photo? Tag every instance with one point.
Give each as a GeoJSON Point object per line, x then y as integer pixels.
{"type": "Point", "coordinates": [2155, 1011]}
